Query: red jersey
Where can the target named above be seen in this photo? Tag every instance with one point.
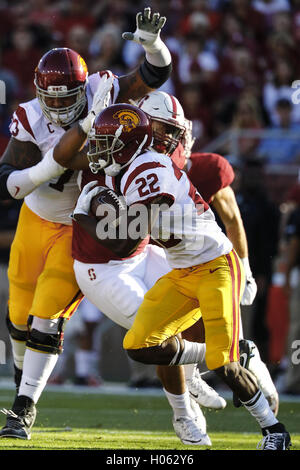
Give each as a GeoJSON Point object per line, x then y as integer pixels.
{"type": "Point", "coordinates": [84, 247]}
{"type": "Point", "coordinates": [209, 172]}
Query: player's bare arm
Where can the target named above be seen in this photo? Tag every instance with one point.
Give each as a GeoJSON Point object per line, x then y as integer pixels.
{"type": "Point", "coordinates": [226, 206]}
{"type": "Point", "coordinates": [20, 154]}
{"type": "Point", "coordinates": [22, 170]}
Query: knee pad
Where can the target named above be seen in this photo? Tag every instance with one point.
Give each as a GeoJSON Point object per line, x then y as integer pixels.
{"type": "Point", "coordinates": [46, 335]}
{"type": "Point", "coordinates": [16, 333]}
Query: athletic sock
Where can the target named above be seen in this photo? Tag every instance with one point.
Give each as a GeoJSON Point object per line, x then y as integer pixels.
{"type": "Point", "coordinates": [191, 354]}
{"type": "Point", "coordinates": [180, 405]}
{"type": "Point", "coordinates": [259, 407]}
{"type": "Point", "coordinates": [37, 368]}
{"type": "Point", "coordinates": [189, 370]}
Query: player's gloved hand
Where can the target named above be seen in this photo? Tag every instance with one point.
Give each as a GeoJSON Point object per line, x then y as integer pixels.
{"type": "Point", "coordinates": [83, 204]}
{"type": "Point", "coordinates": [100, 102]}
{"type": "Point", "coordinates": [250, 284]}
{"type": "Point", "coordinates": [148, 27]}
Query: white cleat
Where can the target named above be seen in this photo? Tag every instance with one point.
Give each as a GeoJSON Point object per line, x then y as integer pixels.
{"type": "Point", "coordinates": [200, 418]}
{"type": "Point", "coordinates": [190, 433]}
{"type": "Point", "coordinates": [203, 394]}
{"type": "Point", "coordinates": [261, 373]}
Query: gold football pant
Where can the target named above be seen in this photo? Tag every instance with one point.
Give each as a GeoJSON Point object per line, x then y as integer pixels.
{"type": "Point", "coordinates": [212, 290]}
{"type": "Point", "coordinates": [41, 277]}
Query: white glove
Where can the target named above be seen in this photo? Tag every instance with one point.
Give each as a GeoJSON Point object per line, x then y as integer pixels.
{"type": "Point", "coordinates": [147, 34]}
{"type": "Point", "coordinates": [100, 102]}
{"type": "Point", "coordinates": [84, 201]}
{"type": "Point", "coordinates": [250, 284]}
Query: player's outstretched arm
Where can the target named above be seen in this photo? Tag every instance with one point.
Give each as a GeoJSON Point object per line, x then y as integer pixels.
{"type": "Point", "coordinates": [157, 66]}
{"type": "Point", "coordinates": [225, 203]}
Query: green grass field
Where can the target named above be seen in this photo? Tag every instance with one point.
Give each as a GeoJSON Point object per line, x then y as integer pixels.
{"type": "Point", "coordinates": [81, 421]}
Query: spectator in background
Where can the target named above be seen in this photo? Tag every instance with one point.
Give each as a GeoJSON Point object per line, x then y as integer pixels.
{"type": "Point", "coordinates": [280, 86]}
{"type": "Point", "coordinates": [22, 58]}
{"type": "Point", "coordinates": [283, 148]}
{"type": "Point", "coordinates": [105, 50]}
{"type": "Point", "coordinates": [292, 290]}
{"type": "Point", "coordinates": [75, 13]}
{"type": "Point", "coordinates": [261, 219]}
{"type": "Point", "coordinates": [247, 116]}
{"type": "Point", "coordinates": [78, 39]}
{"type": "Point", "coordinates": [195, 63]}
{"type": "Point", "coordinates": [191, 99]}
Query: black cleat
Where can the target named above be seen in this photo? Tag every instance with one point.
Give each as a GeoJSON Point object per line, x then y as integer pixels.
{"type": "Point", "coordinates": [275, 441]}
{"type": "Point", "coordinates": [19, 420]}
{"type": "Point", "coordinates": [245, 347]}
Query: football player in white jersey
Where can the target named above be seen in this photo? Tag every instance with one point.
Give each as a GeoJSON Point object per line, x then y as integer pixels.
{"type": "Point", "coordinates": [207, 277]}
{"type": "Point", "coordinates": [43, 289]}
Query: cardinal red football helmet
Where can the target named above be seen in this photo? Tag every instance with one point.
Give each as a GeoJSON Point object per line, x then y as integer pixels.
{"type": "Point", "coordinates": [119, 134]}
{"type": "Point", "coordinates": [60, 74]}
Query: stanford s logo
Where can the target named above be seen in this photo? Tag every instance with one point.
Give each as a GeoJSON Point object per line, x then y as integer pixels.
{"type": "Point", "coordinates": [128, 118]}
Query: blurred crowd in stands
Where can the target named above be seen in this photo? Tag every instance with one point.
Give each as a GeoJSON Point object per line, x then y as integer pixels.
{"type": "Point", "coordinates": [235, 67]}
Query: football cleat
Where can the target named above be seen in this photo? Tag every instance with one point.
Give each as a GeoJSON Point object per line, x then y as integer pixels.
{"type": "Point", "coordinates": [250, 359]}
{"type": "Point", "coordinates": [199, 416]}
{"type": "Point", "coordinates": [18, 425]}
{"type": "Point", "coordinates": [190, 433]}
{"type": "Point", "coordinates": [203, 394]}
{"type": "Point", "coordinates": [275, 441]}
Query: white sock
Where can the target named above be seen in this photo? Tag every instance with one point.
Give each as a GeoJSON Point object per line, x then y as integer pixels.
{"type": "Point", "coordinates": [192, 353]}
{"type": "Point", "coordinates": [189, 370]}
{"type": "Point", "coordinates": [180, 405]}
{"type": "Point", "coordinates": [18, 351]}
{"type": "Point", "coordinates": [85, 362]}
{"type": "Point", "coordinates": [260, 410]}
{"type": "Point", "coordinates": [37, 368]}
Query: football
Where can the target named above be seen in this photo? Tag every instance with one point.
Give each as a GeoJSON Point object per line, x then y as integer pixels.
{"type": "Point", "coordinates": [108, 205]}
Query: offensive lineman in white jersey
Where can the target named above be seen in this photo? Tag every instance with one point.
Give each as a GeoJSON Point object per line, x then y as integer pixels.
{"type": "Point", "coordinates": [207, 276]}
{"type": "Point", "coordinates": [43, 289]}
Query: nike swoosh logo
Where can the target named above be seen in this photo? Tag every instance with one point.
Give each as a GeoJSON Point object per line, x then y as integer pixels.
{"type": "Point", "coordinates": [31, 385]}
{"type": "Point", "coordinates": [193, 395]}
{"type": "Point", "coordinates": [243, 359]}
{"type": "Point", "coordinates": [213, 270]}
{"type": "Point", "coordinates": [17, 190]}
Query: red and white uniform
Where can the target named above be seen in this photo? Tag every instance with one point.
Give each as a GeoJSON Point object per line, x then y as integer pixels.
{"type": "Point", "coordinates": [54, 200]}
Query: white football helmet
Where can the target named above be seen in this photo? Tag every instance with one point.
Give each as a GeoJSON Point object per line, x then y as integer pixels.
{"type": "Point", "coordinates": [165, 108]}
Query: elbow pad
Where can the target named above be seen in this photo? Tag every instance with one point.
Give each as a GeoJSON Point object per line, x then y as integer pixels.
{"type": "Point", "coordinates": [154, 76]}
{"type": "Point", "coordinates": [5, 171]}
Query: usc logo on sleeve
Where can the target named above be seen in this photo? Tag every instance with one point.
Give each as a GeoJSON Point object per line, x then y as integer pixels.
{"type": "Point", "coordinates": [128, 119]}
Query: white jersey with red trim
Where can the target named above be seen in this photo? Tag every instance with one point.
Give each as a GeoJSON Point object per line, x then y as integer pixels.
{"type": "Point", "coordinates": [54, 200]}
{"type": "Point", "coordinates": [186, 227]}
